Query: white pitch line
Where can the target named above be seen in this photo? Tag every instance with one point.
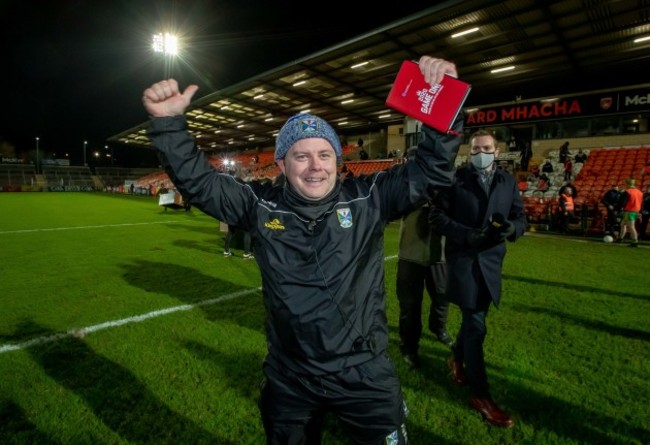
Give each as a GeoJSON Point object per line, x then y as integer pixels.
{"type": "Point", "coordinates": [89, 227]}
{"type": "Point", "coordinates": [81, 332]}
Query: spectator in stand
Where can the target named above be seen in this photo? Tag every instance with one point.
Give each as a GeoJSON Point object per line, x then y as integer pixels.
{"type": "Point", "coordinates": [631, 201]}
{"type": "Point", "coordinates": [345, 172]}
{"type": "Point", "coordinates": [566, 209]}
{"type": "Point", "coordinates": [526, 154]}
{"type": "Point", "coordinates": [524, 185]}
{"type": "Point", "coordinates": [535, 171]}
{"type": "Point", "coordinates": [547, 167]}
{"type": "Point", "coordinates": [611, 200]}
{"type": "Point", "coordinates": [543, 184]}
{"type": "Point", "coordinates": [363, 154]}
{"type": "Point", "coordinates": [512, 144]}
{"type": "Point", "coordinates": [564, 152]}
{"type": "Point", "coordinates": [645, 214]}
{"type": "Point", "coordinates": [580, 157]}
{"type": "Point", "coordinates": [421, 265]}
{"type": "Point", "coordinates": [568, 169]}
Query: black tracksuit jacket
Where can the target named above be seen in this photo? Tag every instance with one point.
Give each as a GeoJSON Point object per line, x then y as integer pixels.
{"type": "Point", "coordinates": [322, 264]}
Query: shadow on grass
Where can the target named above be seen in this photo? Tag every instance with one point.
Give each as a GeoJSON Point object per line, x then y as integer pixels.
{"type": "Point", "coordinates": [633, 334]}
{"type": "Point", "coordinates": [247, 384]}
{"type": "Point", "coordinates": [116, 397]}
{"type": "Point", "coordinates": [212, 247]}
{"type": "Point", "coordinates": [183, 283]}
{"type": "Point", "coordinates": [189, 286]}
{"type": "Point", "coordinates": [541, 412]}
{"type": "Point", "coordinates": [576, 287]}
{"type": "Point", "coordinates": [198, 228]}
{"type": "Point", "coordinates": [15, 428]}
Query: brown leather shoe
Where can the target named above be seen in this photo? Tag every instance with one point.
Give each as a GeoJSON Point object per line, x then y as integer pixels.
{"type": "Point", "coordinates": [457, 371]}
{"type": "Point", "coordinates": [491, 412]}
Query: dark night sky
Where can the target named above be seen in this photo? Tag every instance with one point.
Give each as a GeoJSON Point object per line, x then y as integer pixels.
{"type": "Point", "coordinates": [75, 70]}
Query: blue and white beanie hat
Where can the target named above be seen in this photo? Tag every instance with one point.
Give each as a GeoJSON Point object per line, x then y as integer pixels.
{"type": "Point", "coordinates": [303, 126]}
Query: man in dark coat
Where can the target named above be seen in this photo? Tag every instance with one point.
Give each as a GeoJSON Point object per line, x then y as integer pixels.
{"type": "Point", "coordinates": [477, 215]}
{"type": "Point", "coordinates": [610, 201]}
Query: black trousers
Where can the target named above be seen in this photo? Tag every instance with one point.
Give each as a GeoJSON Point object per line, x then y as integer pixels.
{"type": "Point", "coordinates": [232, 231]}
{"type": "Point", "coordinates": [412, 279]}
{"type": "Point", "coordinates": [643, 225]}
{"type": "Point", "coordinates": [366, 398]}
{"type": "Point", "coordinates": [611, 221]}
{"type": "Point", "coordinates": [468, 348]}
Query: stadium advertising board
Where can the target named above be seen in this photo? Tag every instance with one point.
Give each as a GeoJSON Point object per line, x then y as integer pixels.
{"type": "Point", "coordinates": [592, 104]}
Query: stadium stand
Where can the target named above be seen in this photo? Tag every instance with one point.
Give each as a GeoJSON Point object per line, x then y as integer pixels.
{"type": "Point", "coordinates": [67, 176]}
{"type": "Point", "coordinates": [605, 166]}
{"type": "Point", "coordinates": [115, 176]}
{"type": "Point", "coordinates": [16, 175]}
{"type": "Point", "coordinates": [358, 168]}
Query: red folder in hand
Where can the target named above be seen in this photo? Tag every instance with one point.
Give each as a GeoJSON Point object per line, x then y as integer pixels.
{"type": "Point", "coordinates": [434, 105]}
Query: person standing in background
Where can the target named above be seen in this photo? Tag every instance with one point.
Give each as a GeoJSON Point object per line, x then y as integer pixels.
{"type": "Point", "coordinates": [611, 200]}
{"type": "Point", "coordinates": [477, 215]}
{"type": "Point", "coordinates": [567, 208]}
{"type": "Point", "coordinates": [564, 152]}
{"type": "Point", "coordinates": [512, 144]}
{"type": "Point", "coordinates": [568, 169]}
{"type": "Point", "coordinates": [526, 154]}
{"type": "Point", "coordinates": [645, 214]}
{"type": "Point", "coordinates": [631, 202]}
{"type": "Point", "coordinates": [421, 265]}
{"type": "Point", "coordinates": [232, 231]}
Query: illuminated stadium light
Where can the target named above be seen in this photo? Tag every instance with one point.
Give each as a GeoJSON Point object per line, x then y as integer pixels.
{"type": "Point", "coordinates": [462, 33]}
{"type": "Point", "coordinates": [505, 68]}
{"type": "Point", "coordinates": [165, 43]}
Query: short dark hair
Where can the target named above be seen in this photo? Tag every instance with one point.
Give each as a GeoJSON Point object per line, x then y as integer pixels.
{"type": "Point", "coordinates": [483, 132]}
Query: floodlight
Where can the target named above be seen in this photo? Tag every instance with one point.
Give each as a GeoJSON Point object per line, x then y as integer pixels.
{"type": "Point", "coordinates": [165, 43]}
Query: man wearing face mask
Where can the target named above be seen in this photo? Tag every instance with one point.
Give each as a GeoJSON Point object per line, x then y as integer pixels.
{"type": "Point", "coordinates": [477, 215]}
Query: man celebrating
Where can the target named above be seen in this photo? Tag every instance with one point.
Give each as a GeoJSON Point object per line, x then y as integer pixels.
{"type": "Point", "coordinates": [319, 246]}
{"type": "Point", "coordinates": [477, 215]}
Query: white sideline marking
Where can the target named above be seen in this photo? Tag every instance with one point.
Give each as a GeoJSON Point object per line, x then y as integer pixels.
{"type": "Point", "coordinates": [89, 227]}
{"type": "Point", "coordinates": [81, 332]}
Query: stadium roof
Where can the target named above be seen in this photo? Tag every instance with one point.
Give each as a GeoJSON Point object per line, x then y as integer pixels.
{"type": "Point", "coordinates": [556, 47]}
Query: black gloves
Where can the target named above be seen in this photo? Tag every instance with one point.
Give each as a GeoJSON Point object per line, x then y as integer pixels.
{"type": "Point", "coordinates": [509, 229]}
{"type": "Point", "coordinates": [497, 231]}
{"type": "Point", "coordinates": [477, 237]}
{"type": "Point", "coordinates": [500, 228]}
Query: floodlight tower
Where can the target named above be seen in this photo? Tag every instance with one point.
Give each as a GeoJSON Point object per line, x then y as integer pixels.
{"type": "Point", "coordinates": [167, 45]}
{"type": "Point", "coordinates": [37, 156]}
{"type": "Point", "coordinates": [85, 145]}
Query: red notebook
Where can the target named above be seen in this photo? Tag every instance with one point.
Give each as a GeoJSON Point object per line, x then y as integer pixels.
{"type": "Point", "coordinates": [436, 106]}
